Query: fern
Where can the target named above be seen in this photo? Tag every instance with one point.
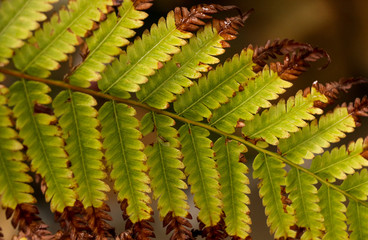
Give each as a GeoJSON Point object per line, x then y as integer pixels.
{"type": "Point", "coordinates": [89, 134]}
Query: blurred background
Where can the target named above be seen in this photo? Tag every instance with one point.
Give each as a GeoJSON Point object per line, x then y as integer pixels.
{"type": "Point", "coordinates": [340, 27]}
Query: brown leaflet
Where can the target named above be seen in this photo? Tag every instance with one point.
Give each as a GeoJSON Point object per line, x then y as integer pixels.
{"type": "Point", "coordinates": [358, 108]}
{"type": "Point", "coordinates": [179, 225]}
{"type": "Point", "coordinates": [96, 219]}
{"type": "Point", "coordinates": [216, 232]}
{"type": "Point", "coordinates": [142, 4]}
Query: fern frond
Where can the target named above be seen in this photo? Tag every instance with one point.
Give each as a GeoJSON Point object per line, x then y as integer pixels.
{"type": "Point", "coordinates": [318, 135]}
{"type": "Point", "coordinates": [142, 58]}
{"type": "Point", "coordinates": [57, 38]}
{"type": "Point", "coordinates": [14, 187]}
{"type": "Point", "coordinates": [357, 214]}
{"type": "Point", "coordinates": [234, 187]}
{"type": "Point", "coordinates": [186, 65]}
{"type": "Point", "coordinates": [105, 43]}
{"type": "Point", "coordinates": [13, 30]}
{"type": "Point", "coordinates": [304, 198]}
{"type": "Point", "coordinates": [77, 118]}
{"type": "Point", "coordinates": [124, 156]}
{"type": "Point", "coordinates": [272, 175]}
{"type": "Point", "coordinates": [333, 211]}
{"type": "Point", "coordinates": [42, 138]}
{"type": "Point", "coordinates": [216, 88]}
{"type": "Point", "coordinates": [340, 161]}
{"type": "Point", "coordinates": [202, 174]}
{"type": "Point", "coordinates": [164, 164]}
{"type": "Point", "coordinates": [266, 86]}
{"type": "Point", "coordinates": [283, 118]}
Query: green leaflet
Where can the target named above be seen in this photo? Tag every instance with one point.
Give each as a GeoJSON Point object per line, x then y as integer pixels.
{"type": "Point", "coordinates": [257, 92]}
{"type": "Point", "coordinates": [202, 174]}
{"type": "Point", "coordinates": [357, 185]}
{"type": "Point", "coordinates": [142, 58]}
{"type": "Point", "coordinates": [333, 211]}
{"type": "Point", "coordinates": [272, 175]}
{"type": "Point", "coordinates": [283, 118]}
{"type": "Point", "coordinates": [77, 118]}
{"type": "Point", "coordinates": [216, 88]}
{"type": "Point", "coordinates": [57, 38]}
{"type": "Point", "coordinates": [124, 156]}
{"type": "Point", "coordinates": [339, 162]}
{"type": "Point", "coordinates": [318, 135]}
{"type": "Point", "coordinates": [105, 43]}
{"type": "Point", "coordinates": [234, 187]}
{"type": "Point", "coordinates": [194, 58]}
{"type": "Point", "coordinates": [14, 188]}
{"type": "Point", "coordinates": [302, 194]}
{"type": "Point", "coordinates": [18, 19]}
{"type": "Point", "coordinates": [45, 146]}
{"type": "Point", "coordinates": [164, 164]}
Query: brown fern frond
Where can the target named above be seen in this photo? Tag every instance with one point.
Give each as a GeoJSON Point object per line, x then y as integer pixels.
{"type": "Point", "coordinates": [216, 232]}
{"type": "Point", "coordinates": [142, 4]}
{"type": "Point", "coordinates": [179, 225]}
{"type": "Point", "coordinates": [96, 219]}
{"type": "Point", "coordinates": [30, 225]}
{"type": "Point", "coordinates": [297, 57]}
{"type": "Point", "coordinates": [191, 20]}
{"type": "Point", "coordinates": [358, 108]}
{"type": "Point", "coordinates": [73, 225]}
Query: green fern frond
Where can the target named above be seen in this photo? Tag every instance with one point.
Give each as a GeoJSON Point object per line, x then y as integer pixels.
{"type": "Point", "coordinates": [234, 187]}
{"type": "Point", "coordinates": [357, 214]}
{"type": "Point", "coordinates": [57, 38]}
{"type": "Point", "coordinates": [257, 93]}
{"type": "Point", "coordinates": [283, 118]}
{"type": "Point", "coordinates": [318, 135]}
{"type": "Point", "coordinates": [105, 43]}
{"type": "Point", "coordinates": [164, 164]}
{"type": "Point", "coordinates": [304, 198]}
{"type": "Point", "coordinates": [18, 19]}
{"type": "Point", "coordinates": [124, 156]}
{"type": "Point", "coordinates": [77, 118]}
{"type": "Point", "coordinates": [272, 175]}
{"type": "Point", "coordinates": [42, 138]}
{"type": "Point", "coordinates": [333, 211]}
{"type": "Point", "coordinates": [340, 161]}
{"type": "Point", "coordinates": [186, 65]}
{"type": "Point", "coordinates": [202, 174]}
{"type": "Point", "coordinates": [14, 187]}
{"type": "Point", "coordinates": [216, 88]}
{"type": "Point", "coordinates": [142, 58]}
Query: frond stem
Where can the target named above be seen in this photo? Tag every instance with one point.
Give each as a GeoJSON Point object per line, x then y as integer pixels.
{"type": "Point", "coordinates": [184, 120]}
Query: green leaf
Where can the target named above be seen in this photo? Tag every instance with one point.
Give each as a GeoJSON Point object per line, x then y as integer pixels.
{"type": "Point", "coordinates": [14, 187]}
{"type": "Point", "coordinates": [18, 19]}
{"type": "Point", "coordinates": [142, 58]}
{"type": "Point", "coordinates": [165, 167]}
{"type": "Point", "coordinates": [339, 162]}
{"type": "Point", "coordinates": [357, 218]}
{"type": "Point", "coordinates": [202, 174]}
{"type": "Point", "coordinates": [234, 187]}
{"type": "Point", "coordinates": [318, 135]}
{"type": "Point", "coordinates": [57, 38]}
{"type": "Point", "coordinates": [283, 118]}
{"type": "Point", "coordinates": [257, 93]}
{"type": "Point", "coordinates": [333, 211]}
{"type": "Point", "coordinates": [216, 88]}
{"type": "Point", "coordinates": [194, 58]}
{"type": "Point", "coordinates": [42, 138]}
{"type": "Point", "coordinates": [357, 184]}
{"type": "Point", "coordinates": [304, 198]}
{"type": "Point", "coordinates": [272, 175]}
{"type": "Point", "coordinates": [105, 43]}
{"type": "Point", "coordinates": [124, 155]}
{"type": "Point", "coordinates": [77, 118]}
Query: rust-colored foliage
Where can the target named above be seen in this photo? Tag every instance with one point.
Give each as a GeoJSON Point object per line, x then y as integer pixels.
{"type": "Point", "coordinates": [179, 225]}
{"type": "Point", "coordinates": [30, 225]}
{"type": "Point", "coordinates": [358, 108]}
{"type": "Point", "coordinates": [216, 232]}
{"type": "Point", "coordinates": [96, 219]}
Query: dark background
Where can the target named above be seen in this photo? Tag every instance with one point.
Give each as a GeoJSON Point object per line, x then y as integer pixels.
{"type": "Point", "coordinates": [338, 26]}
